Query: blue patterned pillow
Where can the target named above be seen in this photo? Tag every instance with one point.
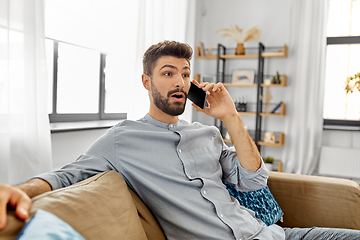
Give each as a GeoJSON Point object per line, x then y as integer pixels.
{"type": "Point", "coordinates": [262, 202]}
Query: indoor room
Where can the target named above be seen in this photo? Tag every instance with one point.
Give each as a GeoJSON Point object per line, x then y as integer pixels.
{"type": "Point", "coordinates": [71, 70]}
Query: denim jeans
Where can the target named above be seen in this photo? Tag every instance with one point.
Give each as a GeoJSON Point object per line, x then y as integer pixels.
{"type": "Point", "coordinates": [316, 233]}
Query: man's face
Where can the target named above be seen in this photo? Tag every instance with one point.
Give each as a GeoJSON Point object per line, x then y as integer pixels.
{"type": "Point", "coordinates": [170, 84]}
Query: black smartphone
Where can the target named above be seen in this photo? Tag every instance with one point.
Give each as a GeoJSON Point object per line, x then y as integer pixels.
{"type": "Point", "coordinates": [197, 96]}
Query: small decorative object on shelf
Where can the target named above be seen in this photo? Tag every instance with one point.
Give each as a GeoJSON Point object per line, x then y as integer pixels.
{"type": "Point", "coordinates": [243, 77]}
{"type": "Point", "coordinates": [276, 108]}
{"type": "Point", "coordinates": [201, 48]}
{"type": "Point", "coordinates": [241, 104]}
{"type": "Point", "coordinates": [268, 98]}
{"type": "Point", "coordinates": [269, 163]}
{"type": "Point", "coordinates": [209, 49]}
{"type": "Point", "coordinates": [236, 33]}
{"type": "Point", "coordinates": [267, 81]}
{"type": "Point", "coordinates": [276, 79]}
{"type": "Point", "coordinates": [269, 137]}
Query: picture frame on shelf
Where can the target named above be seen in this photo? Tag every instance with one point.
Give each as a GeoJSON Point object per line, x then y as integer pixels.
{"type": "Point", "coordinates": [243, 76]}
{"type": "Point", "coordinates": [208, 78]}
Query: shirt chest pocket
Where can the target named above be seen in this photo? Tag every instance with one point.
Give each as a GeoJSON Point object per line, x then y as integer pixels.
{"type": "Point", "coordinates": [206, 161]}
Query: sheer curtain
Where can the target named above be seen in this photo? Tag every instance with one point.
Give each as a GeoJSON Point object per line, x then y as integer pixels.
{"type": "Point", "coordinates": [25, 143]}
{"type": "Point", "coordinates": [307, 68]}
{"type": "Point", "coordinates": [160, 20]}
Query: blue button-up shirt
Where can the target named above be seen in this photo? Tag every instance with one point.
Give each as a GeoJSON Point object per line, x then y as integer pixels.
{"type": "Point", "coordinates": [177, 170]}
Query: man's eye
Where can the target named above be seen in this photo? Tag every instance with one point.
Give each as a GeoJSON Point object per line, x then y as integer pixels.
{"type": "Point", "coordinates": [168, 74]}
{"type": "Point", "coordinates": [186, 75]}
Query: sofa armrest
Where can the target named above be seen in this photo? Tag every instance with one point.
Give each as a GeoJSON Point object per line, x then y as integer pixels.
{"type": "Point", "coordinates": [309, 201]}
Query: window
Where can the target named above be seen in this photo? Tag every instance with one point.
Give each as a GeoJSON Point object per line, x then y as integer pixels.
{"type": "Point", "coordinates": [97, 58]}
{"type": "Point", "coordinates": [342, 60]}
{"type": "Point", "coordinates": [77, 84]}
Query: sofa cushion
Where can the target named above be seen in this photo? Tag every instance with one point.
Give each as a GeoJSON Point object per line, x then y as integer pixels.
{"type": "Point", "coordinates": [45, 225]}
{"type": "Point", "coordinates": [99, 207]}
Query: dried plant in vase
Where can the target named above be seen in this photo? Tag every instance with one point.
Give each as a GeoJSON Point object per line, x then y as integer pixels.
{"type": "Point", "coordinates": [237, 34]}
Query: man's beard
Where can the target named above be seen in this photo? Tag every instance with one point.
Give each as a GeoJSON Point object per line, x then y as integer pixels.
{"type": "Point", "coordinates": [174, 109]}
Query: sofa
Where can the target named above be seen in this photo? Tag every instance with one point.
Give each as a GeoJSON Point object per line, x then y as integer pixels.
{"type": "Point", "coordinates": [103, 207]}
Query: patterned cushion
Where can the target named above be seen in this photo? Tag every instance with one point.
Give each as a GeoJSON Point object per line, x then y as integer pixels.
{"type": "Point", "coordinates": [262, 202]}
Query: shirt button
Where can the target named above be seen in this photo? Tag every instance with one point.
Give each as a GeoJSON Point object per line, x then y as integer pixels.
{"type": "Point", "coordinates": [179, 150]}
{"type": "Point", "coordinates": [221, 215]}
{"type": "Point", "coordinates": [204, 192]}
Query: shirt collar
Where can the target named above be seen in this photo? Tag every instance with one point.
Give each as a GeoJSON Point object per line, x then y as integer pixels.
{"type": "Point", "coordinates": [157, 123]}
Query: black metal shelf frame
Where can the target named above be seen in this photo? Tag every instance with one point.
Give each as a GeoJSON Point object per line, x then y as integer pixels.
{"type": "Point", "coordinates": [220, 77]}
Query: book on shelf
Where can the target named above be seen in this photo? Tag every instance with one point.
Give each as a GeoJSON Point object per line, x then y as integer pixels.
{"type": "Point", "coordinates": [276, 108]}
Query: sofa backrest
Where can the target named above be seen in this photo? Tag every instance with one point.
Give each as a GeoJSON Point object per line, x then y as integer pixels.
{"type": "Point", "coordinates": [309, 201]}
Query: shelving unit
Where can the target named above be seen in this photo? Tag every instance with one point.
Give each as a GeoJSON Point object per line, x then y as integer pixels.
{"type": "Point", "coordinates": [222, 57]}
{"type": "Point", "coordinates": [281, 53]}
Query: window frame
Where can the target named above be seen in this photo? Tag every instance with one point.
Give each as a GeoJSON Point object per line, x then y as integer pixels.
{"type": "Point", "coordinates": [55, 117]}
{"type": "Point", "coordinates": [342, 124]}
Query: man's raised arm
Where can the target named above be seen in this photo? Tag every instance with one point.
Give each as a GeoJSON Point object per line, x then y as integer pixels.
{"type": "Point", "coordinates": [222, 107]}
{"type": "Point", "coordinates": [19, 196]}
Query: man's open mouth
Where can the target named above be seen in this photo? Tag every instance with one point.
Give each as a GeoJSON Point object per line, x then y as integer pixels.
{"type": "Point", "coordinates": [178, 95]}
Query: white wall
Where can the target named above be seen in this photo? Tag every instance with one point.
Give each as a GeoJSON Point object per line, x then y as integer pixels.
{"type": "Point", "coordinates": [68, 146]}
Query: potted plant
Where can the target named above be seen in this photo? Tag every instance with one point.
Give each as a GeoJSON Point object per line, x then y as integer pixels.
{"type": "Point", "coordinates": [269, 163]}
{"type": "Point", "coordinates": [352, 82]}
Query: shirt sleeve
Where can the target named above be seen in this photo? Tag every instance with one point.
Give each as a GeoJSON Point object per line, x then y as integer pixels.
{"type": "Point", "coordinates": [98, 158]}
{"type": "Point", "coordinates": [241, 178]}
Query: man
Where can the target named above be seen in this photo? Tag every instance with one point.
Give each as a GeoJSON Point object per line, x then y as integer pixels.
{"type": "Point", "coordinates": [175, 167]}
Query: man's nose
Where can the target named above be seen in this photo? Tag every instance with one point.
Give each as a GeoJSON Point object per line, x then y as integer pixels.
{"type": "Point", "coordinates": [180, 82]}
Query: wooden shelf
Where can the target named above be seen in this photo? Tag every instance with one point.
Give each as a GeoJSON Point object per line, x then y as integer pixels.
{"type": "Point", "coordinates": [282, 84]}
{"type": "Point", "coordinates": [280, 54]}
{"type": "Point", "coordinates": [278, 144]}
{"type": "Point", "coordinates": [280, 114]}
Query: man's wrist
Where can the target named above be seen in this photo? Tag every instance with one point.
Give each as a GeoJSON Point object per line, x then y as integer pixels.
{"type": "Point", "coordinates": [231, 118]}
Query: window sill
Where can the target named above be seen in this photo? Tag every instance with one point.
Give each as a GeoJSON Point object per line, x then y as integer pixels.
{"type": "Point", "coordinates": [81, 126]}
{"type": "Point", "coordinates": [341, 128]}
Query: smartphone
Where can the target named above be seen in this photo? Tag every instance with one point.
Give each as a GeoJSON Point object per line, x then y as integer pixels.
{"type": "Point", "coordinates": [197, 96]}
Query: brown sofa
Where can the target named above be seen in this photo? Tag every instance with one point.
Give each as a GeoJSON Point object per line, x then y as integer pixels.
{"type": "Point", "coordinates": [102, 207]}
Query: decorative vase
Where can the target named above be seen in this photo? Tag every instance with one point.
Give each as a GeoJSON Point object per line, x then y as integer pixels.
{"type": "Point", "coordinates": [269, 166]}
{"type": "Point", "coordinates": [240, 50]}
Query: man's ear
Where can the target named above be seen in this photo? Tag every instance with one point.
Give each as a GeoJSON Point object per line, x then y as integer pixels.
{"type": "Point", "coordinates": [146, 81]}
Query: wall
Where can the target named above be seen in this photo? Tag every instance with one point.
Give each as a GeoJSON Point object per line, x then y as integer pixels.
{"type": "Point", "coordinates": [68, 146]}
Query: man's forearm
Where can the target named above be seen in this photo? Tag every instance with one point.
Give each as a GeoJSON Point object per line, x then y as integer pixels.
{"type": "Point", "coordinates": [246, 149]}
{"type": "Point", "coordinates": [34, 187]}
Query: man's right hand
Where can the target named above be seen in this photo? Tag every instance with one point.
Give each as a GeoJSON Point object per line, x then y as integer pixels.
{"type": "Point", "coordinates": [16, 198]}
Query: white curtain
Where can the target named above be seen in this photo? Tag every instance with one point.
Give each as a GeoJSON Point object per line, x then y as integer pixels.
{"type": "Point", "coordinates": [307, 49]}
{"type": "Point", "coordinates": [160, 20]}
{"type": "Point", "coordinates": [25, 142]}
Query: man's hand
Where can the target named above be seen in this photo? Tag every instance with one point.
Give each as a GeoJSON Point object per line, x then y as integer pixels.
{"type": "Point", "coordinates": [221, 104]}
{"type": "Point", "coordinates": [16, 198]}
{"type": "Point", "coordinates": [19, 196]}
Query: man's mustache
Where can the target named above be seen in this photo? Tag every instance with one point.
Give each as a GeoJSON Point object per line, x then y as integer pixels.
{"type": "Point", "coordinates": [176, 91]}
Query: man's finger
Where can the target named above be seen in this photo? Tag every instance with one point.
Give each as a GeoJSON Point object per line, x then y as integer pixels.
{"type": "Point", "coordinates": [3, 204]}
{"type": "Point", "coordinates": [23, 203]}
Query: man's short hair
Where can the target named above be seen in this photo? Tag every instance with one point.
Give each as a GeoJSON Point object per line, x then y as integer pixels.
{"type": "Point", "coordinates": [166, 48]}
